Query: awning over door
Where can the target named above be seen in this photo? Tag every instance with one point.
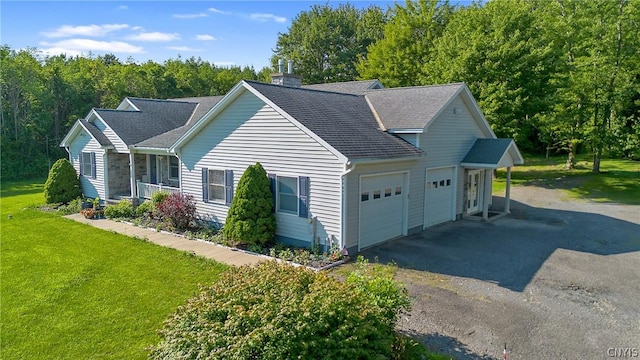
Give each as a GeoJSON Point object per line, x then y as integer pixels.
{"type": "Point", "coordinates": [492, 154]}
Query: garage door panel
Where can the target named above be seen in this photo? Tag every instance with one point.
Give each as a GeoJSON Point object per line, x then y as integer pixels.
{"type": "Point", "coordinates": [439, 195]}
{"type": "Point", "coordinates": [382, 202]}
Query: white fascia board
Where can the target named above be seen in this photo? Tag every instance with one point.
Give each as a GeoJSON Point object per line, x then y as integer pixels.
{"type": "Point", "coordinates": [378, 160]}
{"type": "Point", "coordinates": [71, 134]}
{"type": "Point", "coordinates": [470, 100]}
{"type": "Point", "coordinates": [95, 113]}
{"type": "Point", "coordinates": [210, 115]}
{"type": "Point", "coordinates": [479, 166]}
{"type": "Point", "coordinates": [406, 131]}
{"type": "Point", "coordinates": [295, 122]}
{"type": "Point", "coordinates": [127, 103]}
{"type": "Point", "coordinates": [149, 150]}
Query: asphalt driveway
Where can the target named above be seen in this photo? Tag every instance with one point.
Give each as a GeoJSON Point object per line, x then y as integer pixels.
{"type": "Point", "coordinates": [557, 279]}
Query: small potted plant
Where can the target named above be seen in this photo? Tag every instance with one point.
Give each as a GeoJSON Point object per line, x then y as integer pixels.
{"type": "Point", "coordinates": [88, 213]}
{"type": "Point", "coordinates": [98, 211]}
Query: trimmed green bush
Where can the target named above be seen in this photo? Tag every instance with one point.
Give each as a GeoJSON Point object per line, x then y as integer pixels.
{"type": "Point", "coordinates": [62, 185]}
{"type": "Point", "coordinates": [146, 208]}
{"type": "Point", "coordinates": [121, 210]}
{"type": "Point", "coordinates": [251, 219]}
{"type": "Point", "coordinates": [158, 197]}
{"type": "Point", "coordinates": [277, 311]}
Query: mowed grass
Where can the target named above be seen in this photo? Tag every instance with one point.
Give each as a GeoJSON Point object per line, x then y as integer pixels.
{"type": "Point", "coordinates": [618, 181]}
{"type": "Point", "coordinates": [70, 291]}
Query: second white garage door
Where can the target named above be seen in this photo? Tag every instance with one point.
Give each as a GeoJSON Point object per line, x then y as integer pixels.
{"type": "Point", "coordinates": [439, 196]}
{"type": "Point", "coordinates": [382, 204]}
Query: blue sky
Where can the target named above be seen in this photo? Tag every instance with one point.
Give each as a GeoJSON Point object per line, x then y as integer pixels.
{"type": "Point", "coordinates": [223, 32]}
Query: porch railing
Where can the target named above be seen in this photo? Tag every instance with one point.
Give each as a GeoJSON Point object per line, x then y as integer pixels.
{"type": "Point", "coordinates": [146, 190]}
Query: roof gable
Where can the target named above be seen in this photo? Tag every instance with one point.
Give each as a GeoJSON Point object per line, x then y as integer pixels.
{"type": "Point", "coordinates": [344, 121]}
{"type": "Point", "coordinates": [415, 108]}
{"type": "Point", "coordinates": [91, 129]}
{"type": "Point", "coordinates": [493, 153]}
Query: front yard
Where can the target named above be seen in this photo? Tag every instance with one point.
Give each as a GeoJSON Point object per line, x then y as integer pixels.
{"type": "Point", "coordinates": [70, 291]}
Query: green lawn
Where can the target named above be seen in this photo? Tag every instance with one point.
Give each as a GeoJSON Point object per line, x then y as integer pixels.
{"type": "Point", "coordinates": [619, 180]}
{"type": "Point", "coordinates": [70, 291]}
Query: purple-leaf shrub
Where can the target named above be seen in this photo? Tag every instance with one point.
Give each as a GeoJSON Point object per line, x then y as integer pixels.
{"type": "Point", "coordinates": [180, 209]}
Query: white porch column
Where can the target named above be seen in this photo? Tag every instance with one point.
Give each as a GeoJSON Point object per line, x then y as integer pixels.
{"type": "Point", "coordinates": [507, 195]}
{"type": "Point", "coordinates": [487, 194]}
{"type": "Point", "coordinates": [132, 172]}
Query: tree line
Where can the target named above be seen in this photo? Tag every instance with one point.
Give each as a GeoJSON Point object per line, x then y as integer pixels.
{"type": "Point", "coordinates": [42, 97]}
{"type": "Point", "coordinates": [555, 75]}
{"type": "Point", "coordinates": [559, 75]}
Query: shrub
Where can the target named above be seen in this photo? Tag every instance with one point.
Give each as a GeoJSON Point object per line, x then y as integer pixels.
{"type": "Point", "coordinates": [179, 208]}
{"type": "Point", "coordinates": [73, 207]}
{"type": "Point", "coordinates": [277, 311]}
{"type": "Point", "coordinates": [62, 184]}
{"type": "Point", "coordinates": [159, 197]}
{"type": "Point", "coordinates": [121, 210]}
{"type": "Point", "coordinates": [145, 209]}
{"type": "Point", "coordinates": [382, 290]}
{"type": "Point", "coordinates": [251, 219]}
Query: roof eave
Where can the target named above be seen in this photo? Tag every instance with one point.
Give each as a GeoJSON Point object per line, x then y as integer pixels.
{"type": "Point", "coordinates": [388, 159]}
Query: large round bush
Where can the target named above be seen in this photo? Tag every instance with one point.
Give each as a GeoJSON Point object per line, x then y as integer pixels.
{"type": "Point", "coordinates": [62, 184]}
{"type": "Point", "coordinates": [277, 311]}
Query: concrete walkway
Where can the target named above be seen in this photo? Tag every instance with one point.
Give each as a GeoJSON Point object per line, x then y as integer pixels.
{"type": "Point", "coordinates": [201, 248]}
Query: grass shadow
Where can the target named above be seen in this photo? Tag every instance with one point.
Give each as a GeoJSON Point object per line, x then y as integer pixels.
{"type": "Point", "coordinates": [21, 187]}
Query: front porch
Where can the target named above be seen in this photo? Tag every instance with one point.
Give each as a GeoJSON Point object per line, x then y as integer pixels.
{"type": "Point", "coordinates": [139, 175]}
{"type": "Point", "coordinates": [484, 157]}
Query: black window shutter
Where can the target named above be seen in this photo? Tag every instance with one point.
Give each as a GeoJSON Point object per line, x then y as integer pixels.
{"type": "Point", "coordinates": [303, 197]}
{"type": "Point", "coordinates": [93, 166]}
{"type": "Point", "coordinates": [205, 184]}
{"type": "Point", "coordinates": [228, 186]}
{"type": "Point", "coordinates": [81, 163]}
{"type": "Point", "coordinates": [272, 185]}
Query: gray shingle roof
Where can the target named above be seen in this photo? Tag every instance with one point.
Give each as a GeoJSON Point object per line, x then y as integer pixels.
{"type": "Point", "coordinates": [348, 87]}
{"type": "Point", "coordinates": [154, 118]}
{"type": "Point", "coordinates": [344, 121]}
{"type": "Point", "coordinates": [487, 151]}
{"type": "Point", "coordinates": [410, 107]}
{"type": "Point", "coordinates": [205, 104]}
{"type": "Point", "coordinates": [100, 137]}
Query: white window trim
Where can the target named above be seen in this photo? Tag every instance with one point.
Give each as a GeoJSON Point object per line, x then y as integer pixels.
{"type": "Point", "coordinates": [177, 178]}
{"type": "Point", "coordinates": [288, 212]}
{"type": "Point", "coordinates": [224, 191]}
{"type": "Point", "coordinates": [84, 164]}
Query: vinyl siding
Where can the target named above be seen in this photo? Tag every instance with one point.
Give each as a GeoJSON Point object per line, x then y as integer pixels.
{"type": "Point", "coordinates": [448, 139]}
{"type": "Point", "coordinates": [83, 142]}
{"type": "Point", "coordinates": [249, 131]}
{"type": "Point", "coordinates": [416, 175]}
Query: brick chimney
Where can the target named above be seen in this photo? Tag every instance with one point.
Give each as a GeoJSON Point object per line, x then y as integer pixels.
{"type": "Point", "coordinates": [288, 78]}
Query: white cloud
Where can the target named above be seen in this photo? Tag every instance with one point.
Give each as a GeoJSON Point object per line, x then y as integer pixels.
{"type": "Point", "coordinates": [217, 11]}
{"type": "Point", "coordinates": [189, 16]}
{"type": "Point", "coordinates": [182, 48]}
{"type": "Point", "coordinates": [267, 17]}
{"type": "Point", "coordinates": [205, 37]}
{"type": "Point", "coordinates": [58, 50]}
{"type": "Point", "coordinates": [78, 45]}
{"type": "Point", "coordinates": [136, 28]}
{"type": "Point", "coordinates": [123, 7]}
{"type": "Point", "coordinates": [154, 36]}
{"type": "Point", "coordinates": [84, 30]}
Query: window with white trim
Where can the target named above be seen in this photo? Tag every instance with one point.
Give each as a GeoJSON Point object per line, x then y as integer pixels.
{"type": "Point", "coordinates": [174, 167]}
{"type": "Point", "coordinates": [216, 185]}
{"type": "Point", "coordinates": [288, 194]}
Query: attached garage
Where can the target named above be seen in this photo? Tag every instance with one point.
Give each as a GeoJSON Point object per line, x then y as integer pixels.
{"type": "Point", "coordinates": [440, 190]}
{"type": "Point", "coordinates": [383, 202]}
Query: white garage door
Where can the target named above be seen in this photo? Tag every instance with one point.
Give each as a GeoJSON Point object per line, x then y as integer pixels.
{"type": "Point", "coordinates": [439, 196]}
{"type": "Point", "coordinates": [382, 200]}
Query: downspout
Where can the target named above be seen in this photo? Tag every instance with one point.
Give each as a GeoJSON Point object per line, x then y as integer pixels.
{"type": "Point", "coordinates": [348, 167]}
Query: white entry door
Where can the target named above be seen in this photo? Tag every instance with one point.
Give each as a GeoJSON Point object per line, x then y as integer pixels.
{"type": "Point", "coordinates": [475, 179]}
